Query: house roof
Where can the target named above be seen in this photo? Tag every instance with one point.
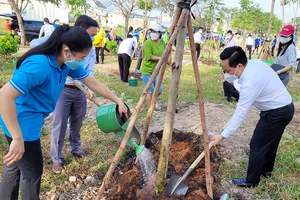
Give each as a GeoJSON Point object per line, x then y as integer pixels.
{"type": "Point", "coordinates": [96, 4]}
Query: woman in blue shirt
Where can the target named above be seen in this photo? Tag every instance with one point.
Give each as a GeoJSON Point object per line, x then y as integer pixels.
{"type": "Point", "coordinates": [29, 97]}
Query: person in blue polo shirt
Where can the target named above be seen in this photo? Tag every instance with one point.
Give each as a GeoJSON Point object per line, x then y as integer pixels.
{"type": "Point", "coordinates": [30, 95]}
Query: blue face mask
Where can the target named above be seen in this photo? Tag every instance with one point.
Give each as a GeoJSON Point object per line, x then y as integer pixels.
{"type": "Point", "coordinates": [74, 64]}
{"type": "Point", "coordinates": [92, 38]}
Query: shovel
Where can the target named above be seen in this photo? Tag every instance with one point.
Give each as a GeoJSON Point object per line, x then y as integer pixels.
{"type": "Point", "coordinates": [175, 185]}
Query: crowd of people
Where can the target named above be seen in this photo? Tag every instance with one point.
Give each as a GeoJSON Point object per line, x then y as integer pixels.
{"type": "Point", "coordinates": [39, 86]}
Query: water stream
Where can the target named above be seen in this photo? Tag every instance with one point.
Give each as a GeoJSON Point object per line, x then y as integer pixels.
{"type": "Point", "coordinates": [148, 167]}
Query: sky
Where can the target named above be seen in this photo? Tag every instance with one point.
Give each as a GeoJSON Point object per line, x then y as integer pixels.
{"type": "Point", "coordinates": [266, 7]}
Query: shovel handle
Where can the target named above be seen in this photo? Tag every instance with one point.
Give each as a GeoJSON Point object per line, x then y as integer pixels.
{"type": "Point", "coordinates": [84, 91]}
{"type": "Point", "coordinates": [195, 163]}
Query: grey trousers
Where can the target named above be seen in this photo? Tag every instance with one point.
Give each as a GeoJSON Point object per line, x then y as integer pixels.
{"type": "Point", "coordinates": [71, 106]}
{"type": "Point", "coordinates": [25, 174]}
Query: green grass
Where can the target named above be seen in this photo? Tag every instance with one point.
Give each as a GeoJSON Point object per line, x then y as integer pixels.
{"type": "Point", "coordinates": [284, 183]}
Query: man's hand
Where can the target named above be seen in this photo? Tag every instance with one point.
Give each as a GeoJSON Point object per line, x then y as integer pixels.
{"type": "Point", "coordinates": [217, 139]}
{"type": "Point", "coordinates": [91, 96]}
{"type": "Point", "coordinates": [16, 151]}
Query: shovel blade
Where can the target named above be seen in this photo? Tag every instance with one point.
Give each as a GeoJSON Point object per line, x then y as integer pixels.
{"type": "Point", "coordinates": [181, 189]}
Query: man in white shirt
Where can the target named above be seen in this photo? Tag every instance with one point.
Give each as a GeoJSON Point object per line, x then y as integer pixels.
{"type": "Point", "coordinates": [47, 28]}
{"type": "Point", "coordinates": [198, 41]}
{"type": "Point", "coordinates": [124, 56]}
{"type": "Point", "coordinates": [249, 44]}
{"type": "Point", "coordinates": [261, 87]}
{"type": "Point", "coordinates": [229, 39]}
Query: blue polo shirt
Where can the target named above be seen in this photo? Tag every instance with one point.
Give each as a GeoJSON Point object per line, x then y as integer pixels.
{"type": "Point", "coordinates": [40, 81]}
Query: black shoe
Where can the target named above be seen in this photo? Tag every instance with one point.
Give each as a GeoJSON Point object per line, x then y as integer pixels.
{"type": "Point", "coordinates": [266, 174]}
{"type": "Point", "coordinates": [243, 183]}
{"type": "Point", "coordinates": [229, 99]}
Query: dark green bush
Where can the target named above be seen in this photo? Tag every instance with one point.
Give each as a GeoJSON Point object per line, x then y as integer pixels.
{"type": "Point", "coordinates": [8, 46]}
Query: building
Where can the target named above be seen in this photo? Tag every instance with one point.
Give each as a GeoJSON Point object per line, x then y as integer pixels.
{"type": "Point", "coordinates": [4, 6]}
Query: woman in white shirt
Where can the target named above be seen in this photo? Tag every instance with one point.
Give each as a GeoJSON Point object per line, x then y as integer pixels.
{"type": "Point", "coordinates": [124, 56]}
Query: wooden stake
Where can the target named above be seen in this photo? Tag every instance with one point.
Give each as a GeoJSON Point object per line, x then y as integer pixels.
{"type": "Point", "coordinates": [164, 57]}
{"type": "Point", "coordinates": [201, 108]}
{"type": "Point", "coordinates": [84, 91]}
{"type": "Point", "coordinates": [160, 78]}
{"type": "Point", "coordinates": [169, 119]}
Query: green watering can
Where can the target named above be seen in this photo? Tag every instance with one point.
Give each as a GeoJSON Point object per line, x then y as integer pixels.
{"type": "Point", "coordinates": [109, 120]}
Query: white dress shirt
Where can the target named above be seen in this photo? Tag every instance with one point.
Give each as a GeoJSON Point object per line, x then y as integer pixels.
{"type": "Point", "coordinates": [126, 46]}
{"type": "Point", "coordinates": [198, 38]}
{"type": "Point", "coordinates": [261, 87]}
{"type": "Point", "coordinates": [231, 42]}
{"type": "Point", "coordinates": [249, 41]}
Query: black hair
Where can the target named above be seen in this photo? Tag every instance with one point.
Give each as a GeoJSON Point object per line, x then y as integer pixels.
{"type": "Point", "coordinates": [85, 22]}
{"type": "Point", "coordinates": [61, 35]}
{"type": "Point", "coordinates": [46, 20]}
{"type": "Point", "coordinates": [230, 31]}
{"type": "Point", "coordinates": [200, 28]}
{"type": "Point", "coordinates": [130, 29]}
{"type": "Point", "coordinates": [283, 47]}
{"type": "Point", "coordinates": [235, 56]}
{"type": "Point", "coordinates": [129, 36]}
{"type": "Point", "coordinates": [275, 36]}
{"type": "Point", "coordinates": [55, 21]}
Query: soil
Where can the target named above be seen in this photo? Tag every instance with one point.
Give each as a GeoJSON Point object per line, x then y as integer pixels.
{"type": "Point", "coordinates": [187, 144]}
{"type": "Point", "coordinates": [129, 182]}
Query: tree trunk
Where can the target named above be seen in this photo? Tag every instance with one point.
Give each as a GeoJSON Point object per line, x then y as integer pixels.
{"type": "Point", "coordinates": [126, 24]}
{"type": "Point", "coordinates": [283, 4]}
{"type": "Point", "coordinates": [271, 18]}
{"type": "Point", "coordinates": [20, 21]}
{"type": "Point", "coordinates": [169, 120]}
{"type": "Point", "coordinates": [267, 42]}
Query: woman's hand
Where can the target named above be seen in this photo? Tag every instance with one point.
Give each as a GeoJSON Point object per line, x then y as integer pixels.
{"type": "Point", "coordinates": [122, 109]}
{"type": "Point", "coordinates": [217, 139]}
{"type": "Point", "coordinates": [91, 96]}
{"type": "Point", "coordinates": [16, 151]}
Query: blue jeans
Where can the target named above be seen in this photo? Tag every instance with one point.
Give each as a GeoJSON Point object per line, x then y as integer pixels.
{"type": "Point", "coordinates": [146, 78]}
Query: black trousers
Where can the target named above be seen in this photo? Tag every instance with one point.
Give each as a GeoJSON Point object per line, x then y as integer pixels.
{"type": "Point", "coordinates": [124, 65]}
{"type": "Point", "coordinates": [265, 141]}
{"type": "Point", "coordinates": [25, 173]}
{"type": "Point", "coordinates": [272, 51]}
{"type": "Point", "coordinates": [229, 90]}
{"type": "Point", "coordinates": [256, 48]}
{"type": "Point", "coordinates": [249, 48]}
{"type": "Point", "coordinates": [101, 51]}
{"type": "Point", "coordinates": [198, 48]}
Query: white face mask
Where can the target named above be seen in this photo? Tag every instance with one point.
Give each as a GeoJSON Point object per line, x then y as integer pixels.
{"type": "Point", "coordinates": [234, 73]}
{"type": "Point", "coordinates": [285, 40]}
{"type": "Point", "coordinates": [154, 36]}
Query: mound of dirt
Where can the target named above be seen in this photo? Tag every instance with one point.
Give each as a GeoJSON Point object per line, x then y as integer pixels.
{"type": "Point", "coordinates": [130, 182]}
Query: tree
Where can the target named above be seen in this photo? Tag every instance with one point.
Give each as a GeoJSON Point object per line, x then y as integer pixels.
{"type": "Point", "coordinates": [296, 6]}
{"type": "Point", "coordinates": [167, 6]}
{"type": "Point", "coordinates": [146, 6]}
{"type": "Point", "coordinates": [78, 7]}
{"type": "Point", "coordinates": [126, 7]}
{"type": "Point", "coordinates": [19, 7]}
{"type": "Point", "coordinates": [243, 19]}
{"type": "Point", "coordinates": [283, 3]}
{"type": "Point", "coordinates": [271, 17]}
